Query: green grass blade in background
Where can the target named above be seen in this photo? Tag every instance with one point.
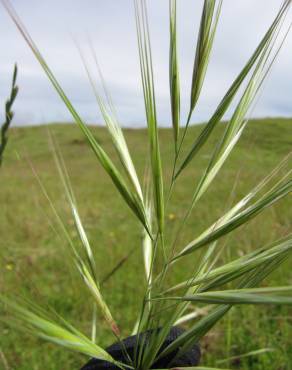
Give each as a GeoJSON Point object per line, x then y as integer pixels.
{"type": "Point", "coordinates": [8, 114]}
{"type": "Point", "coordinates": [4, 361]}
{"type": "Point", "coordinates": [150, 107]}
{"type": "Point", "coordinates": [174, 82]}
{"type": "Point", "coordinates": [245, 355]}
{"type": "Point", "coordinates": [233, 90]}
{"type": "Point", "coordinates": [117, 266]}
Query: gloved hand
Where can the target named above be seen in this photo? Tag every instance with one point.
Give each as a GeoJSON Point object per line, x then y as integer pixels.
{"type": "Point", "coordinates": [188, 359]}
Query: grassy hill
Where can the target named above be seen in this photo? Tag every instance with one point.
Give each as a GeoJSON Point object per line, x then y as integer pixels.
{"type": "Point", "coordinates": [34, 261]}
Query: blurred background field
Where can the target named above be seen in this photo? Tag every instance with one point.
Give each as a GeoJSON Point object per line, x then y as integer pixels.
{"type": "Point", "coordinates": [34, 261]}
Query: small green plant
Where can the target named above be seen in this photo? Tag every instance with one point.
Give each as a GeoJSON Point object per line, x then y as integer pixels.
{"type": "Point", "coordinates": [8, 115]}
{"type": "Point", "coordinates": [222, 285]}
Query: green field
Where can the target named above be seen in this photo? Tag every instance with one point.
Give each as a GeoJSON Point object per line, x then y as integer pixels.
{"type": "Point", "coordinates": [34, 261]}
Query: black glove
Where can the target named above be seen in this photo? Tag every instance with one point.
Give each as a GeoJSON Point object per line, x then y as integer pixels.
{"type": "Point", "coordinates": [188, 359]}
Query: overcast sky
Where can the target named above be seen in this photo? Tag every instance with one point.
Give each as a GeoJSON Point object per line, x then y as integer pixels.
{"type": "Point", "coordinates": [54, 24]}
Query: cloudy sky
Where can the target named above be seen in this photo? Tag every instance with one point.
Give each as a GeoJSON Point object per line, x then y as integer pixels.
{"type": "Point", "coordinates": [55, 25]}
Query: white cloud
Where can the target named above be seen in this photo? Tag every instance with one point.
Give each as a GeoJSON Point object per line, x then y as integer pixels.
{"type": "Point", "coordinates": [111, 27]}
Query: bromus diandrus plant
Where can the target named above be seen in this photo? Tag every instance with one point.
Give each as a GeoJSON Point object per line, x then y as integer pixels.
{"type": "Point", "coordinates": [213, 286]}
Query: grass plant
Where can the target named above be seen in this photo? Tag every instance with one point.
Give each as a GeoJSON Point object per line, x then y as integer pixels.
{"type": "Point", "coordinates": [213, 286]}
{"type": "Point", "coordinates": [8, 115]}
